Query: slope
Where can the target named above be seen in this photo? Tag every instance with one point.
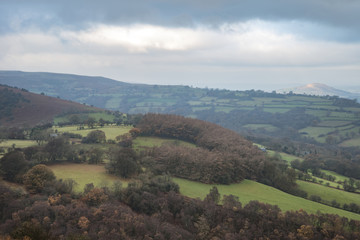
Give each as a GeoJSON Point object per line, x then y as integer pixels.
{"type": "Point", "coordinates": [29, 109]}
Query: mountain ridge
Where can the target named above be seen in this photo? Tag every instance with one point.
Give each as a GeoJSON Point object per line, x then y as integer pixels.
{"type": "Point", "coordinates": [319, 89]}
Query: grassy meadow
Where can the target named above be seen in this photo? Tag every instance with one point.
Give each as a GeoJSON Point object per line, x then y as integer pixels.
{"type": "Point", "coordinates": [84, 174]}
{"type": "Point", "coordinates": [17, 143]}
{"type": "Point", "coordinates": [249, 190]}
{"type": "Point", "coordinates": [328, 194]}
{"type": "Point", "coordinates": [111, 131]}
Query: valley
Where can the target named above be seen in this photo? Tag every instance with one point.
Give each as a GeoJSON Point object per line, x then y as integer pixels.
{"type": "Point", "coordinates": [95, 151]}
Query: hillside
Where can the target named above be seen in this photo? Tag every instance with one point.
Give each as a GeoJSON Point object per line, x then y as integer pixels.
{"type": "Point", "coordinates": [319, 89]}
{"type": "Point", "coordinates": [22, 108]}
{"type": "Point", "coordinates": [314, 119]}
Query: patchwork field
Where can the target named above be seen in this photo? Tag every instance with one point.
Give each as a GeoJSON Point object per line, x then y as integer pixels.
{"type": "Point", "coordinates": [249, 190]}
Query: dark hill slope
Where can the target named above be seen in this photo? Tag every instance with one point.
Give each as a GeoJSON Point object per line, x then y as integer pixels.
{"type": "Point", "coordinates": [22, 108]}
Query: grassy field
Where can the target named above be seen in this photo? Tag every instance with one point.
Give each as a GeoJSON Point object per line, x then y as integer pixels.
{"type": "Point", "coordinates": [328, 194]}
{"type": "Point", "coordinates": [18, 143]}
{"type": "Point", "coordinates": [284, 156]}
{"type": "Point", "coordinates": [338, 176]}
{"type": "Point", "coordinates": [249, 190]}
{"type": "Point", "coordinates": [351, 143]}
{"type": "Point", "coordinates": [111, 132]}
{"type": "Point", "coordinates": [140, 142]}
{"type": "Point", "coordinates": [84, 174]}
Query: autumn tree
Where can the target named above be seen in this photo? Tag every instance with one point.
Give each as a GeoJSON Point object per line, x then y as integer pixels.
{"type": "Point", "coordinates": [37, 177]}
{"type": "Point", "coordinates": [96, 136]}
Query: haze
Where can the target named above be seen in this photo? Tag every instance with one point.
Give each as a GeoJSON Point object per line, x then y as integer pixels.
{"type": "Point", "coordinates": [228, 44]}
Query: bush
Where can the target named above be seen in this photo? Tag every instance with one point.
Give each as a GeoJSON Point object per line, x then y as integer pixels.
{"type": "Point", "coordinates": [36, 178]}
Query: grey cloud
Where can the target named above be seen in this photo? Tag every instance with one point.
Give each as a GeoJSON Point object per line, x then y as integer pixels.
{"type": "Point", "coordinates": [338, 13]}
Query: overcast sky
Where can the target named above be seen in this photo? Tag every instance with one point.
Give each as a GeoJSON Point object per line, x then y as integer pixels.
{"type": "Point", "coordinates": [232, 44]}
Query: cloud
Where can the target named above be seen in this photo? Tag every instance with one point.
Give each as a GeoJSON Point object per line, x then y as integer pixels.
{"type": "Point", "coordinates": [340, 16]}
{"type": "Point", "coordinates": [202, 43]}
{"type": "Point", "coordinates": [252, 43]}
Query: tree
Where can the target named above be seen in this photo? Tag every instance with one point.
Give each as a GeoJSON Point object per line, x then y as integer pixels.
{"type": "Point", "coordinates": [96, 136]}
{"type": "Point", "coordinates": [37, 177]}
{"type": "Point", "coordinates": [40, 135]}
{"type": "Point", "coordinates": [123, 163]}
{"type": "Point", "coordinates": [96, 156]}
{"type": "Point", "coordinates": [213, 196]}
{"type": "Point", "coordinates": [125, 140]}
{"type": "Point", "coordinates": [91, 122]}
{"type": "Point", "coordinates": [57, 148]}
{"type": "Point", "coordinates": [13, 164]}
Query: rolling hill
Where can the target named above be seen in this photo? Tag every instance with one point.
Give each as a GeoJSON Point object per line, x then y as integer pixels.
{"type": "Point", "coordinates": [315, 119]}
{"type": "Point", "coordinates": [22, 108]}
{"type": "Point", "coordinates": [320, 89]}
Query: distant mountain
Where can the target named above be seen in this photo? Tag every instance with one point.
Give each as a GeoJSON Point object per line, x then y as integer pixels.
{"type": "Point", "coordinates": [21, 108]}
{"type": "Point", "coordinates": [319, 89]}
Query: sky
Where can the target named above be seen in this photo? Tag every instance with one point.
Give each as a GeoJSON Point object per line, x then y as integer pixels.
{"type": "Point", "coordinates": [225, 44]}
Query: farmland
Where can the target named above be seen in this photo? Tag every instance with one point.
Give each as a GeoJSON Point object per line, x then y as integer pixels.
{"type": "Point", "coordinates": [84, 174]}
{"type": "Point", "coordinates": [250, 190]}
{"type": "Point", "coordinates": [110, 131]}
{"type": "Point", "coordinates": [328, 194]}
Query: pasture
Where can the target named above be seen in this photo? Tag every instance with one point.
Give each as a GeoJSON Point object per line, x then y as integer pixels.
{"type": "Point", "coordinates": [84, 174]}
{"type": "Point", "coordinates": [110, 131]}
{"type": "Point", "coordinates": [249, 190]}
{"type": "Point", "coordinates": [328, 194]}
{"type": "Point", "coordinates": [351, 143]}
{"type": "Point", "coordinates": [9, 143]}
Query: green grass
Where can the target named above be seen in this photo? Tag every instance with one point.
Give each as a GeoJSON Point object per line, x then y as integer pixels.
{"type": "Point", "coordinates": [324, 181]}
{"type": "Point", "coordinates": [284, 156]}
{"type": "Point", "coordinates": [84, 174]}
{"type": "Point", "coordinates": [156, 141]}
{"type": "Point", "coordinates": [316, 131]}
{"type": "Point", "coordinates": [249, 190]}
{"type": "Point", "coordinates": [328, 194]}
{"type": "Point", "coordinates": [18, 143]}
{"type": "Point", "coordinates": [338, 176]}
{"type": "Point", "coordinates": [111, 132]}
{"type": "Point", "coordinates": [351, 143]}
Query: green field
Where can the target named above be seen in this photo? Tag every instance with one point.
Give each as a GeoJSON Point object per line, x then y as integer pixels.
{"type": "Point", "coordinates": [328, 194]}
{"type": "Point", "coordinates": [140, 142]}
{"type": "Point", "coordinates": [18, 143]}
{"type": "Point", "coordinates": [351, 143]}
{"type": "Point", "coordinates": [84, 174]}
{"type": "Point", "coordinates": [284, 156]}
{"type": "Point", "coordinates": [111, 132]}
{"type": "Point", "coordinates": [338, 176]}
{"type": "Point", "coordinates": [249, 190]}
